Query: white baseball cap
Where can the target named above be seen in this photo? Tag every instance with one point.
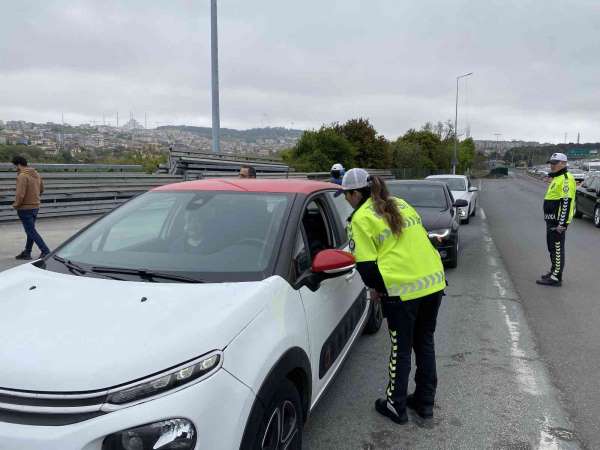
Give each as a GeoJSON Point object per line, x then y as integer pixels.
{"type": "Point", "coordinates": [356, 179]}
{"type": "Point", "coordinates": [557, 157]}
{"type": "Point", "coordinates": [338, 167]}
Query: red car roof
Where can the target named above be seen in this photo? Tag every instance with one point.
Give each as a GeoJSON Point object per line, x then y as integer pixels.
{"type": "Point", "coordinates": [249, 185]}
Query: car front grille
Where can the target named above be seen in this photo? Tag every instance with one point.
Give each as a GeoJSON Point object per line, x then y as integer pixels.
{"type": "Point", "coordinates": [49, 409]}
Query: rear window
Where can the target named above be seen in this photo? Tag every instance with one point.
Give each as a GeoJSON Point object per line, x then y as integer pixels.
{"type": "Point", "coordinates": [420, 195]}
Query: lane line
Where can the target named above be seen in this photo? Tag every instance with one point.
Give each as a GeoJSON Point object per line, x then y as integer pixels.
{"type": "Point", "coordinates": [482, 213]}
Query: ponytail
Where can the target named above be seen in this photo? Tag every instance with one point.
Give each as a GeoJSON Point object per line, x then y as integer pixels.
{"type": "Point", "coordinates": [385, 205]}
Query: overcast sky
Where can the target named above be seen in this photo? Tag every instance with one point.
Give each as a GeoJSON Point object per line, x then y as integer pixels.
{"type": "Point", "coordinates": [536, 63]}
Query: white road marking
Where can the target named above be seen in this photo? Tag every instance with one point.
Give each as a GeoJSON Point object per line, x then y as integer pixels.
{"type": "Point", "coordinates": [482, 213]}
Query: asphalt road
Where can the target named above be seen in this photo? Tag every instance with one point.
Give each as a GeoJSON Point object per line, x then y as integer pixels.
{"type": "Point", "coordinates": [494, 390]}
{"type": "Point", "coordinates": [566, 320]}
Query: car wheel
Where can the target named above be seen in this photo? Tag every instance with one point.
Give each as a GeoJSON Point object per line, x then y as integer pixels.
{"type": "Point", "coordinates": [474, 210]}
{"type": "Point", "coordinates": [597, 216]}
{"type": "Point", "coordinates": [453, 262]}
{"type": "Point", "coordinates": [281, 422]}
{"type": "Point", "coordinates": [375, 318]}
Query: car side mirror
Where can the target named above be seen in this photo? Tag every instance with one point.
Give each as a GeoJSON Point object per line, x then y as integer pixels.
{"type": "Point", "coordinates": [461, 203]}
{"type": "Point", "coordinates": [332, 263]}
{"type": "Point", "coordinates": [473, 189]}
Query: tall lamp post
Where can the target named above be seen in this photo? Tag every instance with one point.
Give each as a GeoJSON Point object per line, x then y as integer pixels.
{"type": "Point", "coordinates": [455, 157]}
{"type": "Point", "coordinates": [216, 122]}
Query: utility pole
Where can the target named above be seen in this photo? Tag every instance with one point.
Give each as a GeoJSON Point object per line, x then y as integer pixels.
{"type": "Point", "coordinates": [216, 121]}
{"type": "Point", "coordinates": [578, 136]}
{"type": "Point", "coordinates": [565, 138]}
{"type": "Point", "coordinates": [117, 119]}
{"type": "Point", "coordinates": [455, 157]}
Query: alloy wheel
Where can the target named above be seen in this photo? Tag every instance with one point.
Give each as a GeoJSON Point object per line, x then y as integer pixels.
{"type": "Point", "coordinates": [597, 216]}
{"type": "Point", "coordinates": [282, 428]}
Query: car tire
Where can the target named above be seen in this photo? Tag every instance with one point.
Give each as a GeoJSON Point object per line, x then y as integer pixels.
{"type": "Point", "coordinates": [375, 318]}
{"type": "Point", "coordinates": [597, 216]}
{"type": "Point", "coordinates": [452, 263]}
{"type": "Point", "coordinates": [474, 210]}
{"type": "Point", "coordinates": [281, 421]}
{"type": "Point", "coordinates": [576, 213]}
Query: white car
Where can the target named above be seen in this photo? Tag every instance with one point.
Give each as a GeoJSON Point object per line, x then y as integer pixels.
{"type": "Point", "coordinates": [461, 188]}
{"type": "Point", "coordinates": [201, 315]}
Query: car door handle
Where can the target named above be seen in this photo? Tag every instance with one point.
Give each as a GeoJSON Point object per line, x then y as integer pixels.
{"type": "Point", "coordinates": [350, 276]}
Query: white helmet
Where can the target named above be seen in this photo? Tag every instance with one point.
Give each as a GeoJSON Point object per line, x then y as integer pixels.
{"type": "Point", "coordinates": [356, 179]}
{"type": "Point", "coordinates": [337, 167]}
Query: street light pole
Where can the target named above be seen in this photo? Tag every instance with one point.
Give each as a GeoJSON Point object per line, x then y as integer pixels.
{"type": "Point", "coordinates": [216, 122]}
{"type": "Point", "coordinates": [455, 157]}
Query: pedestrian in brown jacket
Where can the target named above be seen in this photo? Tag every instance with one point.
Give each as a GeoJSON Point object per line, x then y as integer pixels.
{"type": "Point", "coordinates": [27, 203]}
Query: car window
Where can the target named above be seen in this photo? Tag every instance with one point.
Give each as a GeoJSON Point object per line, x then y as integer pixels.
{"type": "Point", "coordinates": [216, 235]}
{"type": "Point", "coordinates": [344, 211]}
{"type": "Point", "coordinates": [319, 233]}
{"type": "Point", "coordinates": [420, 195]}
{"type": "Point", "coordinates": [455, 184]}
{"type": "Point", "coordinates": [302, 262]}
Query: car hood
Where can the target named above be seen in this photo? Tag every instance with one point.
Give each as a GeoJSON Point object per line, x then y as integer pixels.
{"type": "Point", "coordinates": [434, 219]}
{"type": "Point", "coordinates": [68, 333]}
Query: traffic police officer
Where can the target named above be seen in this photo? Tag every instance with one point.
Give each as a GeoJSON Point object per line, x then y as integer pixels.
{"type": "Point", "coordinates": [559, 205]}
{"type": "Point", "coordinates": [337, 173]}
{"type": "Point", "coordinates": [404, 271]}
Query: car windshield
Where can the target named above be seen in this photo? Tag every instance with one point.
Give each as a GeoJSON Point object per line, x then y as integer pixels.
{"type": "Point", "coordinates": [420, 195]}
{"type": "Point", "coordinates": [210, 235]}
{"type": "Point", "coordinates": [455, 184]}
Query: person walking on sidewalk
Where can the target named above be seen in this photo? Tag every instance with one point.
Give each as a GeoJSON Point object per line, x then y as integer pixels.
{"type": "Point", "coordinates": [559, 208]}
{"type": "Point", "coordinates": [27, 203]}
{"type": "Point", "coordinates": [396, 259]}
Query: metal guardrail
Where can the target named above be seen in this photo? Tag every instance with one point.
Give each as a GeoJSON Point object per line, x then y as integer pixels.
{"type": "Point", "coordinates": [49, 167]}
{"type": "Point", "coordinates": [83, 192]}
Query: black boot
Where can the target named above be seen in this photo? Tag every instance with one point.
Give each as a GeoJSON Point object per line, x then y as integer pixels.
{"type": "Point", "coordinates": [549, 282]}
{"type": "Point", "coordinates": [23, 256]}
{"type": "Point", "coordinates": [385, 408]}
{"type": "Point", "coordinates": [425, 412]}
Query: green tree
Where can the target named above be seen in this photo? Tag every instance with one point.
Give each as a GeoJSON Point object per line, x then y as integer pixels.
{"type": "Point", "coordinates": [317, 151]}
{"type": "Point", "coordinates": [373, 150]}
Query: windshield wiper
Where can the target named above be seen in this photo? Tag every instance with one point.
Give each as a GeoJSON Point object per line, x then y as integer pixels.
{"type": "Point", "coordinates": [144, 274]}
{"type": "Point", "coordinates": [70, 265]}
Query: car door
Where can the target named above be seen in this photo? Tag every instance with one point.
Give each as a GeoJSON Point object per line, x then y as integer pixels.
{"type": "Point", "coordinates": [587, 198]}
{"type": "Point", "coordinates": [335, 308]}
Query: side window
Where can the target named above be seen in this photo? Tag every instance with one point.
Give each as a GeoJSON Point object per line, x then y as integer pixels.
{"type": "Point", "coordinates": [319, 233]}
{"type": "Point", "coordinates": [301, 255]}
{"type": "Point", "coordinates": [344, 210]}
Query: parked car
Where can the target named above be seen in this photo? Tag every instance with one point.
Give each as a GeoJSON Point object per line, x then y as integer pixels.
{"type": "Point", "coordinates": [438, 210]}
{"type": "Point", "coordinates": [461, 188]}
{"type": "Point", "coordinates": [578, 174]}
{"type": "Point", "coordinates": [587, 199]}
{"type": "Point", "coordinates": [209, 314]}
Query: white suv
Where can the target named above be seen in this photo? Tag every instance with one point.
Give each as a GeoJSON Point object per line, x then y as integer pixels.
{"type": "Point", "coordinates": [201, 315]}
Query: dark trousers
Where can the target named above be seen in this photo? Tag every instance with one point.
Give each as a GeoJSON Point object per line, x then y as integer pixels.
{"type": "Point", "coordinates": [556, 247]}
{"type": "Point", "coordinates": [412, 326]}
{"type": "Point", "coordinates": [28, 218]}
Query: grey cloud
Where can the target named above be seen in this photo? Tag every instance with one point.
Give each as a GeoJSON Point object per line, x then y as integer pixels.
{"type": "Point", "coordinates": [309, 63]}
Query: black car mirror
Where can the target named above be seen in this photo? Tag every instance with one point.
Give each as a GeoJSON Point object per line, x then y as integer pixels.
{"type": "Point", "coordinates": [461, 203]}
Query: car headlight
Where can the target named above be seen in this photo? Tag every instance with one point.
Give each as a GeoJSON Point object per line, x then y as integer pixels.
{"type": "Point", "coordinates": [171, 434]}
{"type": "Point", "coordinates": [171, 379]}
{"type": "Point", "coordinates": [440, 235]}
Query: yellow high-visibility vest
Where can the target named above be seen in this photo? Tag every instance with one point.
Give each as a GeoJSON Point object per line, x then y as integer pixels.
{"type": "Point", "coordinates": [409, 264]}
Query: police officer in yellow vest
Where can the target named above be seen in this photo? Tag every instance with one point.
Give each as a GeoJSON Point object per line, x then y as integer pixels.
{"type": "Point", "coordinates": [404, 271]}
{"type": "Point", "coordinates": [559, 207]}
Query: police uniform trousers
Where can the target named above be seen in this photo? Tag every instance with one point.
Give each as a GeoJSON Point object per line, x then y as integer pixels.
{"type": "Point", "coordinates": [556, 247]}
{"type": "Point", "coordinates": [411, 326]}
